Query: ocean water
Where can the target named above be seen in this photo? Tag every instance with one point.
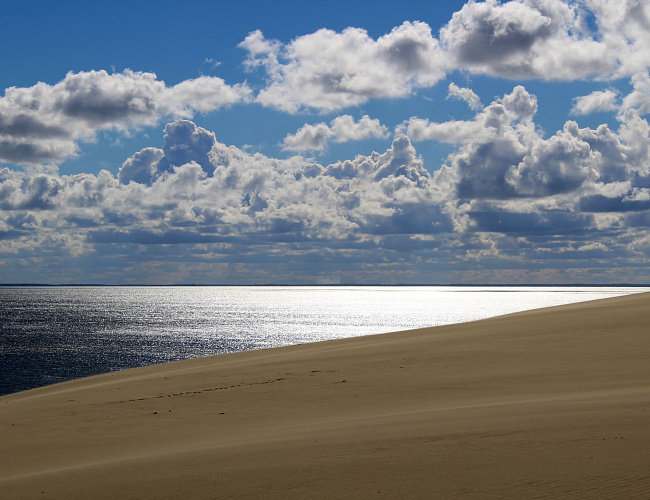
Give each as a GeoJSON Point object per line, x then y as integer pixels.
{"type": "Point", "coordinates": [53, 334]}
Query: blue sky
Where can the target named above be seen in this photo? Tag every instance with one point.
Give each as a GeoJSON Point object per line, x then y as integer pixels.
{"type": "Point", "coordinates": [325, 142]}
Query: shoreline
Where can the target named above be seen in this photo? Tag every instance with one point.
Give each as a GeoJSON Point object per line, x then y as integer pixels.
{"type": "Point", "coordinates": [550, 402]}
{"type": "Point", "coordinates": [117, 344]}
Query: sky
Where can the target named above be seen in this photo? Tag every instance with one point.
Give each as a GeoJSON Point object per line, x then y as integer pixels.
{"type": "Point", "coordinates": [325, 142]}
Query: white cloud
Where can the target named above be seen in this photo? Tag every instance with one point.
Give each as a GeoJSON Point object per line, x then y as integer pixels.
{"type": "Point", "coordinates": [639, 99]}
{"type": "Point", "coordinates": [489, 124]}
{"type": "Point", "coordinates": [601, 100]}
{"type": "Point", "coordinates": [45, 123]}
{"type": "Point", "coordinates": [545, 39]}
{"type": "Point", "coordinates": [184, 143]}
{"type": "Point", "coordinates": [327, 70]}
{"type": "Point", "coordinates": [541, 39]}
{"type": "Point", "coordinates": [484, 33]}
{"type": "Point", "coordinates": [262, 52]}
{"type": "Point", "coordinates": [308, 137]}
{"type": "Point", "coordinates": [213, 63]}
{"type": "Point", "coordinates": [549, 39]}
{"type": "Point", "coordinates": [453, 132]}
{"type": "Point", "coordinates": [502, 156]}
{"type": "Point", "coordinates": [202, 95]}
{"type": "Point", "coordinates": [501, 196]}
{"type": "Point", "coordinates": [197, 190]}
{"type": "Point", "coordinates": [346, 129]}
{"type": "Point", "coordinates": [624, 27]}
{"type": "Point", "coordinates": [141, 167]}
{"type": "Point", "coordinates": [464, 94]}
{"type": "Point", "coordinates": [341, 129]}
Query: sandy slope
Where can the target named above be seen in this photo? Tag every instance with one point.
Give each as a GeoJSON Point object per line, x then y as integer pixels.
{"type": "Point", "coordinates": [552, 403]}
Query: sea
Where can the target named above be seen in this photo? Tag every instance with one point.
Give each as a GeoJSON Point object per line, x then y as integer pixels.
{"type": "Point", "coordinates": [51, 334]}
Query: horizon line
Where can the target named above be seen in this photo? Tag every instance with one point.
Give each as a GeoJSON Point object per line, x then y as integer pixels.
{"type": "Point", "coordinates": [639, 285]}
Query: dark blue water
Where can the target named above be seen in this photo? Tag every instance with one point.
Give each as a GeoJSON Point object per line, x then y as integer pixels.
{"type": "Point", "coordinates": [53, 334]}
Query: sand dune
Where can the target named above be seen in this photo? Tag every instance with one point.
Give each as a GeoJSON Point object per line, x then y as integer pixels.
{"type": "Point", "coordinates": [553, 403]}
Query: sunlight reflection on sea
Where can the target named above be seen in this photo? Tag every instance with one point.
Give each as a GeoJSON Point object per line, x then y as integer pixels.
{"type": "Point", "coordinates": [51, 334]}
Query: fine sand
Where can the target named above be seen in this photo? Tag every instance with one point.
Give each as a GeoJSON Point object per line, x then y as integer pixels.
{"type": "Point", "coordinates": [553, 403]}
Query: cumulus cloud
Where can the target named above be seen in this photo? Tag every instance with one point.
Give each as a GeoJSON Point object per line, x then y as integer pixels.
{"type": "Point", "coordinates": [489, 125]}
{"type": "Point", "coordinates": [197, 191]}
{"type": "Point", "coordinates": [45, 123]}
{"type": "Point", "coordinates": [601, 100]}
{"type": "Point", "coordinates": [503, 158]}
{"type": "Point", "coordinates": [464, 94]}
{"type": "Point", "coordinates": [625, 28]}
{"type": "Point", "coordinates": [548, 39]}
{"type": "Point", "coordinates": [328, 71]}
{"type": "Point", "coordinates": [341, 129]}
{"type": "Point", "coordinates": [506, 195]}
{"type": "Point", "coordinates": [484, 33]}
{"type": "Point", "coordinates": [237, 194]}
{"type": "Point", "coordinates": [540, 39]}
{"type": "Point", "coordinates": [639, 99]}
{"type": "Point", "coordinates": [202, 95]}
{"type": "Point", "coordinates": [141, 167]}
{"type": "Point", "coordinates": [184, 143]}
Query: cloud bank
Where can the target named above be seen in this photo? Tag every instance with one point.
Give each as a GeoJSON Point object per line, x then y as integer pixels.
{"type": "Point", "coordinates": [578, 200]}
